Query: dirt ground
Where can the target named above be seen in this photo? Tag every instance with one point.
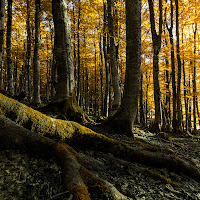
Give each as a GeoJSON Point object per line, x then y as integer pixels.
{"type": "Point", "coordinates": [25, 177]}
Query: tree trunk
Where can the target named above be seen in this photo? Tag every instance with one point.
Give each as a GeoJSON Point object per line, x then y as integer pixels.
{"type": "Point", "coordinates": [36, 58]}
{"type": "Point", "coordinates": [142, 118]}
{"type": "Point", "coordinates": [74, 53]}
{"type": "Point", "coordinates": [64, 103]}
{"type": "Point", "coordinates": [105, 51]}
{"type": "Point", "coordinates": [2, 21]}
{"type": "Point", "coordinates": [10, 85]}
{"type": "Point", "coordinates": [78, 55]}
{"type": "Point", "coordinates": [123, 120]}
{"type": "Point", "coordinates": [16, 85]}
{"type": "Point", "coordinates": [101, 76]}
{"type": "Point", "coordinates": [185, 92]}
{"type": "Point", "coordinates": [189, 101]}
{"type": "Point", "coordinates": [86, 91]}
{"type": "Point", "coordinates": [167, 75]}
{"type": "Point", "coordinates": [62, 51]}
{"type": "Point", "coordinates": [28, 54]}
{"type": "Point", "coordinates": [156, 46]}
{"type": "Point", "coordinates": [179, 69]}
{"type": "Point", "coordinates": [48, 74]}
{"type": "Point", "coordinates": [113, 61]}
{"type": "Point", "coordinates": [194, 79]}
{"type": "Point", "coordinates": [147, 91]}
{"type": "Point", "coordinates": [95, 80]}
{"type": "Point", "coordinates": [53, 68]}
{"type": "Point", "coordinates": [170, 30]}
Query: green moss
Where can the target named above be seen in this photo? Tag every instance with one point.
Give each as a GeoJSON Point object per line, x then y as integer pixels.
{"type": "Point", "coordinates": [63, 146]}
{"type": "Point", "coordinates": [93, 181]}
{"type": "Point", "coordinates": [80, 192]}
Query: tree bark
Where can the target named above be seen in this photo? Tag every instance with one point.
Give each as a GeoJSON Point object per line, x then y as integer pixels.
{"type": "Point", "coordinates": [2, 21]}
{"type": "Point", "coordinates": [36, 58]}
{"type": "Point", "coordinates": [142, 118]}
{"type": "Point", "coordinates": [76, 178]}
{"type": "Point", "coordinates": [101, 76]}
{"type": "Point", "coordinates": [194, 78]}
{"type": "Point", "coordinates": [189, 101]}
{"type": "Point", "coordinates": [105, 51]}
{"type": "Point", "coordinates": [179, 112]}
{"type": "Point", "coordinates": [28, 54]}
{"type": "Point", "coordinates": [113, 61]}
{"type": "Point", "coordinates": [78, 55]}
{"type": "Point", "coordinates": [79, 136]}
{"type": "Point", "coordinates": [170, 30]}
{"type": "Point", "coordinates": [123, 120]}
{"type": "Point", "coordinates": [10, 85]}
{"type": "Point", "coordinates": [62, 51]}
{"type": "Point", "coordinates": [156, 46]}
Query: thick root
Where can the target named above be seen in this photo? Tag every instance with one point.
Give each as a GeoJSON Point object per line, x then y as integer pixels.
{"type": "Point", "coordinates": [78, 135]}
{"type": "Point", "coordinates": [67, 109]}
{"type": "Point", "coordinates": [76, 178]}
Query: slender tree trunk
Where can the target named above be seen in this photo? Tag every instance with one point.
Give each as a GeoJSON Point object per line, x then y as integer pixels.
{"type": "Point", "coordinates": [95, 80]}
{"type": "Point", "coordinates": [86, 91]}
{"type": "Point", "coordinates": [105, 51]}
{"type": "Point", "coordinates": [147, 91]}
{"type": "Point", "coordinates": [179, 69]}
{"type": "Point", "coordinates": [101, 76]}
{"type": "Point", "coordinates": [2, 21]}
{"type": "Point", "coordinates": [36, 58]}
{"type": "Point", "coordinates": [62, 51]}
{"type": "Point", "coordinates": [113, 61]}
{"type": "Point", "coordinates": [156, 46]}
{"type": "Point", "coordinates": [194, 78]}
{"type": "Point", "coordinates": [10, 85]}
{"type": "Point", "coordinates": [16, 71]}
{"type": "Point", "coordinates": [189, 102]}
{"type": "Point", "coordinates": [170, 30]}
{"type": "Point", "coordinates": [167, 79]}
{"type": "Point", "coordinates": [123, 120]}
{"type": "Point", "coordinates": [185, 92]}
{"type": "Point", "coordinates": [74, 48]}
{"type": "Point", "coordinates": [78, 55]}
{"type": "Point", "coordinates": [28, 54]}
{"type": "Point", "coordinates": [185, 98]}
{"type": "Point", "coordinates": [198, 114]}
{"type": "Point", "coordinates": [53, 68]}
{"type": "Point", "coordinates": [48, 74]}
{"type": "Point", "coordinates": [142, 118]}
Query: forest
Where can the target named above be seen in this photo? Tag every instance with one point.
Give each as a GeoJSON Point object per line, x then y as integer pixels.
{"type": "Point", "coordinates": [99, 99]}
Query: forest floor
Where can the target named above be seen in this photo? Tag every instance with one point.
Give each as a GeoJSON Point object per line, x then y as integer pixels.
{"type": "Point", "coordinates": [25, 177]}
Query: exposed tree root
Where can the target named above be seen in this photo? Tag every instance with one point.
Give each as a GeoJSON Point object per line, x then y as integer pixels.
{"type": "Point", "coordinates": [75, 134]}
{"type": "Point", "coordinates": [118, 124]}
{"type": "Point", "coordinates": [67, 109]}
{"type": "Point", "coordinates": [142, 170]}
{"type": "Point", "coordinates": [76, 178]}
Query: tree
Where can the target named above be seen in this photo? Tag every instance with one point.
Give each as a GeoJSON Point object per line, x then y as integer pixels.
{"type": "Point", "coordinates": [156, 47]}
{"type": "Point", "coordinates": [28, 54]}
{"type": "Point", "coordinates": [113, 60]}
{"type": "Point", "coordinates": [10, 84]}
{"type": "Point", "coordinates": [194, 78]}
{"type": "Point", "coordinates": [36, 58]}
{"type": "Point", "coordinates": [76, 178]}
{"type": "Point", "coordinates": [2, 21]}
{"type": "Point", "coordinates": [123, 120]}
{"type": "Point", "coordinates": [62, 51]}
{"type": "Point", "coordinates": [64, 101]}
{"type": "Point", "coordinates": [78, 55]}
{"type": "Point", "coordinates": [179, 68]}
